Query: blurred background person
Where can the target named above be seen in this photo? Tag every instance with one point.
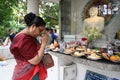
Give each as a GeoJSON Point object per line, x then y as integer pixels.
{"type": "Point", "coordinates": [55, 32]}
{"type": "Point", "coordinates": [50, 38]}
{"type": "Point", "coordinates": [53, 36]}
{"type": "Point", "coordinates": [7, 41]}
{"type": "Point", "coordinates": [11, 34]}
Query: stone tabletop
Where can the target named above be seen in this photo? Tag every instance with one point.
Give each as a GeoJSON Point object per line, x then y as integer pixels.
{"type": "Point", "coordinates": [100, 64]}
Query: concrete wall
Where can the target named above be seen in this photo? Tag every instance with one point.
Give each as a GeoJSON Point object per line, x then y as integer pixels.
{"type": "Point", "coordinates": [5, 52]}
{"type": "Point", "coordinates": [77, 8]}
{"type": "Point", "coordinates": [111, 70]}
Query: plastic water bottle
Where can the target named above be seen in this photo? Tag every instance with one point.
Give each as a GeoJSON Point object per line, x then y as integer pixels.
{"type": "Point", "coordinates": [62, 46]}
{"type": "Point", "coordinates": [109, 49]}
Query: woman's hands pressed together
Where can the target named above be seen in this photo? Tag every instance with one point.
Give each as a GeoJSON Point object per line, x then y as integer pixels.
{"type": "Point", "coordinates": [44, 38]}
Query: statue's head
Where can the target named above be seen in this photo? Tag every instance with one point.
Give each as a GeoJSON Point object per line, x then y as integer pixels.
{"type": "Point", "coordinates": [93, 11]}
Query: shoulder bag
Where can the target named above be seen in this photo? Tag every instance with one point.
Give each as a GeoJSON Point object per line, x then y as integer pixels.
{"type": "Point", "coordinates": [48, 60]}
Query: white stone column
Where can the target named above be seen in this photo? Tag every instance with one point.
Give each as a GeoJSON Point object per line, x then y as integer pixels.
{"type": "Point", "coordinates": [33, 6]}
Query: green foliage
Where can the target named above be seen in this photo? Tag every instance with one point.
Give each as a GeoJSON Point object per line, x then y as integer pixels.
{"type": "Point", "coordinates": [6, 11]}
{"type": "Point", "coordinates": [2, 31]}
{"type": "Point", "coordinates": [8, 16]}
{"type": "Point", "coordinates": [50, 13]}
{"type": "Point", "coordinates": [12, 14]}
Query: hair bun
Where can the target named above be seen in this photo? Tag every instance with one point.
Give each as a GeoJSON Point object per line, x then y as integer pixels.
{"type": "Point", "coordinates": [29, 18]}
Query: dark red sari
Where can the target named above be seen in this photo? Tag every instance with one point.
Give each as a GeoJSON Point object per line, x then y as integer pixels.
{"type": "Point", "coordinates": [25, 47]}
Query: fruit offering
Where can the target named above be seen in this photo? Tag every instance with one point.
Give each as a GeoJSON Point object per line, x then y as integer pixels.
{"type": "Point", "coordinates": [56, 44]}
{"type": "Point", "coordinates": [115, 58]}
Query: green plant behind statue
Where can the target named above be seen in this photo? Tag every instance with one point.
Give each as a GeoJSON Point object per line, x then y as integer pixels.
{"type": "Point", "coordinates": [91, 33]}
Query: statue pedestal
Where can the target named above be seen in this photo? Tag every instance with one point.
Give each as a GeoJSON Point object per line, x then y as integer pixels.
{"type": "Point", "coordinates": [100, 42]}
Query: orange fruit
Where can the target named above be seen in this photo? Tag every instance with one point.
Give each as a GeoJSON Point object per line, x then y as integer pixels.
{"type": "Point", "coordinates": [113, 58]}
{"type": "Point", "coordinates": [56, 44]}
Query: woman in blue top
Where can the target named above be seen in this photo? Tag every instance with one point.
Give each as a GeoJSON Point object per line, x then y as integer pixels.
{"type": "Point", "coordinates": [11, 34]}
{"type": "Point", "coordinates": [54, 37]}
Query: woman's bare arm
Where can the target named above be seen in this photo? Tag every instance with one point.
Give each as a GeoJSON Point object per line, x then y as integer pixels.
{"type": "Point", "coordinates": [36, 60]}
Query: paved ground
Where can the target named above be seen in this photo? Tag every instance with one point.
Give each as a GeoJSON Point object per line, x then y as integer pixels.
{"type": "Point", "coordinates": [7, 71]}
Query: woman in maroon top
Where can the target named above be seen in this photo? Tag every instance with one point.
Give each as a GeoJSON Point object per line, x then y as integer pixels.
{"type": "Point", "coordinates": [28, 52]}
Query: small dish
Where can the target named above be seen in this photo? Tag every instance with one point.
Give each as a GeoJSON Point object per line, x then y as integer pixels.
{"type": "Point", "coordinates": [117, 53]}
{"type": "Point", "coordinates": [68, 52]}
{"type": "Point", "coordinates": [115, 61]}
{"type": "Point", "coordinates": [78, 54]}
{"type": "Point", "coordinates": [94, 56]}
{"type": "Point", "coordinates": [56, 49]}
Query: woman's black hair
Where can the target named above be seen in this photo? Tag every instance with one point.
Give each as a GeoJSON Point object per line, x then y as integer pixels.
{"type": "Point", "coordinates": [31, 18]}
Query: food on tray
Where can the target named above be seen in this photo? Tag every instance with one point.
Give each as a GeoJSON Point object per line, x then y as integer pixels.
{"type": "Point", "coordinates": [56, 49]}
{"type": "Point", "coordinates": [105, 56]}
{"type": "Point", "coordinates": [96, 50]}
{"type": "Point", "coordinates": [51, 46]}
{"type": "Point", "coordinates": [69, 50]}
{"type": "Point", "coordinates": [81, 48]}
{"type": "Point", "coordinates": [56, 44]}
{"type": "Point", "coordinates": [117, 53]}
{"type": "Point", "coordinates": [76, 53]}
{"type": "Point", "coordinates": [94, 56]}
{"type": "Point", "coordinates": [115, 58]}
{"type": "Point", "coordinates": [89, 51]}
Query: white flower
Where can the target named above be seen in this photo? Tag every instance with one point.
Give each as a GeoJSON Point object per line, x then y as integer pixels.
{"type": "Point", "coordinates": [91, 33]}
